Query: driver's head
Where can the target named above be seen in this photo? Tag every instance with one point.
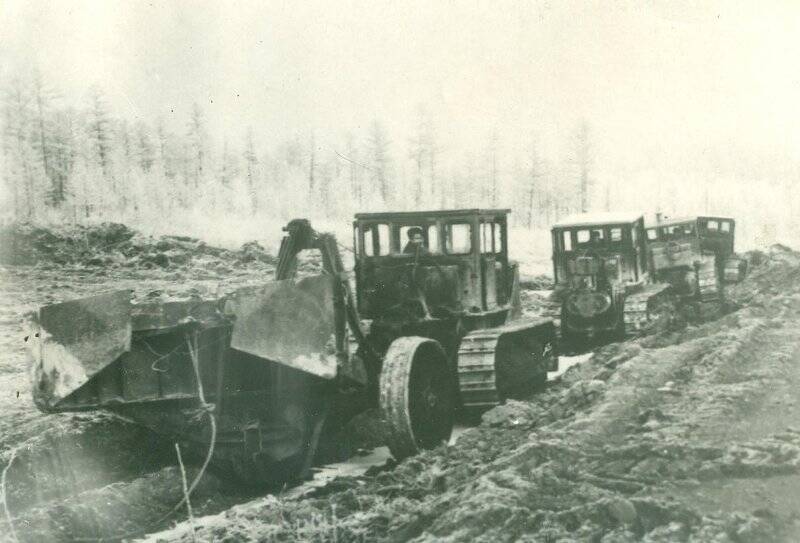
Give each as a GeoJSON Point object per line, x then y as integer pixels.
{"type": "Point", "coordinates": [415, 235]}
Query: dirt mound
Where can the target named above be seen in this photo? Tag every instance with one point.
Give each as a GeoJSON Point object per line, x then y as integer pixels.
{"type": "Point", "coordinates": [116, 245]}
{"type": "Point", "coordinates": [678, 436]}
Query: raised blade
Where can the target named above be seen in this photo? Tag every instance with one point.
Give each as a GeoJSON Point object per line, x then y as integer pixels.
{"type": "Point", "coordinates": [288, 322]}
{"type": "Point", "coordinates": [72, 341]}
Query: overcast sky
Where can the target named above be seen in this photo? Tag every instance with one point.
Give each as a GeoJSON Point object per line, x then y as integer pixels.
{"type": "Point", "coordinates": [660, 82]}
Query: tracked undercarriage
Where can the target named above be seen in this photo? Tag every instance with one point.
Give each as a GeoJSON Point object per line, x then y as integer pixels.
{"type": "Point", "coordinates": [491, 363]}
{"type": "Point", "coordinates": [603, 281]}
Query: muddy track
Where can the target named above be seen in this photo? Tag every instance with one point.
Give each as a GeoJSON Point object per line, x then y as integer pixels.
{"type": "Point", "coordinates": [684, 435]}
{"type": "Point", "coordinates": [657, 438]}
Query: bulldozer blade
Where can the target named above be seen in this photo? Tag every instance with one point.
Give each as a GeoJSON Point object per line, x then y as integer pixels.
{"type": "Point", "coordinates": [70, 342]}
{"type": "Point", "coordinates": [288, 322]}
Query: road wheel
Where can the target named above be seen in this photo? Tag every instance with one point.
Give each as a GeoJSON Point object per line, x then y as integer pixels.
{"type": "Point", "coordinates": [417, 395]}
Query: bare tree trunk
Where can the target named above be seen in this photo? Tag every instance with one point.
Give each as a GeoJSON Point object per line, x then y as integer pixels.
{"type": "Point", "coordinates": [42, 138]}
{"type": "Point", "coordinates": [493, 170]}
{"type": "Point", "coordinates": [312, 164]}
{"type": "Point", "coordinates": [583, 164]}
{"type": "Point", "coordinates": [251, 161]}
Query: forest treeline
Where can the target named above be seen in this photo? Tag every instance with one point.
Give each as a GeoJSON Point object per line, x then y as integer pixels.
{"type": "Point", "coordinates": [80, 162]}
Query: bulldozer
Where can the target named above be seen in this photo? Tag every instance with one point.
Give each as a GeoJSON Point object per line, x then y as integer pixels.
{"type": "Point", "coordinates": [604, 287]}
{"type": "Point", "coordinates": [696, 256]}
{"type": "Point", "coordinates": [262, 377]}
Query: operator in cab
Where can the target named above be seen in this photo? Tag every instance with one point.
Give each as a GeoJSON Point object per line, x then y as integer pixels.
{"type": "Point", "coordinates": [416, 243]}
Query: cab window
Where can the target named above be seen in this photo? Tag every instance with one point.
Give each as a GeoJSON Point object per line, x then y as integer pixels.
{"type": "Point", "coordinates": [486, 238]}
{"type": "Point", "coordinates": [593, 236]}
{"type": "Point", "coordinates": [498, 238]}
{"type": "Point", "coordinates": [489, 241]}
{"type": "Point", "coordinates": [566, 236]}
{"type": "Point", "coordinates": [430, 236]}
{"type": "Point", "coordinates": [433, 239]}
{"type": "Point", "coordinates": [376, 240]}
{"type": "Point", "coordinates": [404, 234]}
{"type": "Point", "coordinates": [616, 234]}
{"type": "Point", "coordinates": [725, 226]}
{"type": "Point", "coordinates": [712, 226]}
{"type": "Point", "coordinates": [652, 234]}
{"type": "Point", "coordinates": [458, 238]}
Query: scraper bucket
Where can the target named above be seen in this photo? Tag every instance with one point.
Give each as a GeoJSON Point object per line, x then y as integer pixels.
{"type": "Point", "coordinates": [70, 342]}
{"type": "Point", "coordinates": [288, 322]}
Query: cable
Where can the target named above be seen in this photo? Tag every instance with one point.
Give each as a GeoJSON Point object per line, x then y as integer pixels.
{"type": "Point", "coordinates": [9, 519]}
{"type": "Point", "coordinates": [207, 408]}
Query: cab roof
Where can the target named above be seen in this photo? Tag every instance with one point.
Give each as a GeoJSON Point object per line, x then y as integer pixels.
{"type": "Point", "coordinates": [427, 215]}
{"type": "Point", "coordinates": [598, 219]}
{"type": "Point", "coordinates": [670, 221]}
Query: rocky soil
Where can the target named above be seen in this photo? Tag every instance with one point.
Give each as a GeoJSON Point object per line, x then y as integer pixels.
{"type": "Point", "coordinates": [684, 435]}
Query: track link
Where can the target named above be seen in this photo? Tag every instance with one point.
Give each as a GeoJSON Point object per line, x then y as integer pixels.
{"type": "Point", "coordinates": [707, 281]}
{"type": "Point", "coordinates": [505, 362]}
{"type": "Point", "coordinates": [640, 309]}
{"type": "Point", "coordinates": [477, 377]}
{"type": "Point", "coordinates": [708, 290]}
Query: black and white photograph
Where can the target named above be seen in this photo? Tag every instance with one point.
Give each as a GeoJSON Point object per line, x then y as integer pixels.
{"type": "Point", "coordinates": [389, 271]}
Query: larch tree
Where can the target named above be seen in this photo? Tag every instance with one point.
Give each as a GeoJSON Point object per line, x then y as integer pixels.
{"type": "Point", "coordinates": [63, 155]}
{"type": "Point", "coordinates": [433, 152]}
{"type": "Point", "coordinates": [493, 169]}
{"type": "Point", "coordinates": [99, 130]}
{"type": "Point", "coordinates": [145, 150]}
{"type": "Point", "coordinates": [251, 170]}
{"type": "Point", "coordinates": [197, 143]}
{"type": "Point", "coordinates": [42, 138]}
{"type": "Point", "coordinates": [378, 151]}
{"type": "Point", "coordinates": [312, 164]}
{"type": "Point", "coordinates": [123, 142]}
{"type": "Point", "coordinates": [17, 149]}
{"type": "Point", "coordinates": [355, 170]}
{"type": "Point", "coordinates": [582, 161]}
{"type": "Point", "coordinates": [534, 189]}
{"type": "Point", "coordinates": [418, 153]}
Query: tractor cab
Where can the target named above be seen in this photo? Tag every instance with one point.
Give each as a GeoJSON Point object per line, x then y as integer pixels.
{"type": "Point", "coordinates": [601, 274]}
{"type": "Point", "coordinates": [598, 251]}
{"type": "Point", "coordinates": [686, 243]}
{"type": "Point", "coordinates": [711, 235]}
{"type": "Point", "coordinates": [460, 267]}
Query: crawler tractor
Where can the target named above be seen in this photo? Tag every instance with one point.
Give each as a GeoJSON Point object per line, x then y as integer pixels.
{"type": "Point", "coordinates": [603, 282]}
{"type": "Point", "coordinates": [267, 374]}
{"type": "Point", "coordinates": [696, 256]}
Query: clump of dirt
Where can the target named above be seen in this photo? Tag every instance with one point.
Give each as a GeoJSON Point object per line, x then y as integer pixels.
{"type": "Point", "coordinates": [538, 282]}
{"type": "Point", "coordinates": [117, 246]}
{"type": "Point", "coordinates": [682, 435]}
